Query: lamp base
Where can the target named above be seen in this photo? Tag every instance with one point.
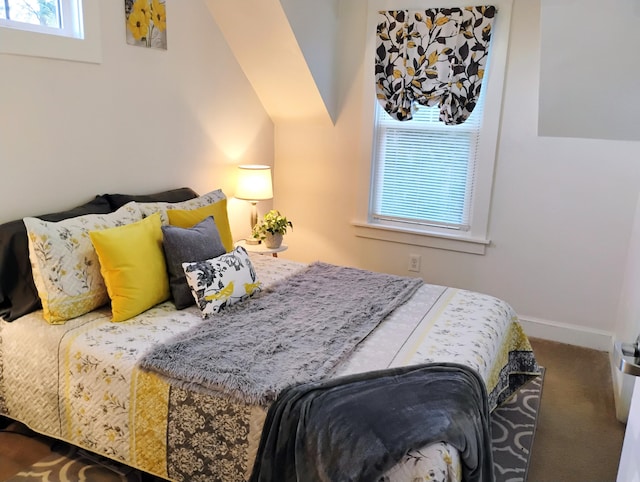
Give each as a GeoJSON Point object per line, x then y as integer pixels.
{"type": "Point", "coordinates": [252, 241]}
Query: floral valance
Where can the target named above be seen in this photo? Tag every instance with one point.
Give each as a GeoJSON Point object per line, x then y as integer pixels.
{"type": "Point", "coordinates": [432, 57]}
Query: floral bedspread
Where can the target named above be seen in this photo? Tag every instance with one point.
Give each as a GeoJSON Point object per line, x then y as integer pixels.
{"type": "Point", "coordinates": [83, 386]}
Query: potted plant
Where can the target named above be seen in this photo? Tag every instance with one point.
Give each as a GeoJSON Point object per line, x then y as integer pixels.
{"type": "Point", "coordinates": [271, 228]}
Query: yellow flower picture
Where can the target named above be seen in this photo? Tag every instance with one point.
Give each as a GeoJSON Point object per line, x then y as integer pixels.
{"type": "Point", "coordinates": [146, 23]}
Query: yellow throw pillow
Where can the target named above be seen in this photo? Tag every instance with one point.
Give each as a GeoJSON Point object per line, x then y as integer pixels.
{"type": "Point", "coordinates": [148, 208]}
{"type": "Point", "coordinates": [189, 218]}
{"type": "Point", "coordinates": [133, 266]}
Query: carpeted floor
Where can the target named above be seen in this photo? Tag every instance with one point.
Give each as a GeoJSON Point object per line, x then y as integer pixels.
{"type": "Point", "coordinates": [578, 438]}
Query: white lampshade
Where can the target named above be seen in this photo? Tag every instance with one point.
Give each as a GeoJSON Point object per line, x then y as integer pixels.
{"type": "Point", "coordinates": [254, 183]}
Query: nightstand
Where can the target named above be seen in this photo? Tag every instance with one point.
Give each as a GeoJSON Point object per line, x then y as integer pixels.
{"type": "Point", "coordinates": [261, 248]}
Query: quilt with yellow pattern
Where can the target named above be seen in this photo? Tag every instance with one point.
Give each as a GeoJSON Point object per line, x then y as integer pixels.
{"type": "Point", "coordinates": [80, 382]}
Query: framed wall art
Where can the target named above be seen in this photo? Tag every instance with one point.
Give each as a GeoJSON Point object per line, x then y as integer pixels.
{"type": "Point", "coordinates": [146, 23]}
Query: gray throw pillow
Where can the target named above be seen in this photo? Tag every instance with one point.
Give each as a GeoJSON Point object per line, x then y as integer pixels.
{"type": "Point", "coordinates": [186, 245]}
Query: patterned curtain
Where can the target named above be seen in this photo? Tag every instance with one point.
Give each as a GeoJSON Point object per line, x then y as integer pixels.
{"type": "Point", "coordinates": [434, 56]}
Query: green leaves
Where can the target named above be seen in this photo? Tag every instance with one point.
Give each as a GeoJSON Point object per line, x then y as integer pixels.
{"type": "Point", "coordinates": [273, 222]}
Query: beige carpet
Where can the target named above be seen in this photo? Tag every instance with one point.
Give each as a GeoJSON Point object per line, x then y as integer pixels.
{"type": "Point", "coordinates": [578, 438]}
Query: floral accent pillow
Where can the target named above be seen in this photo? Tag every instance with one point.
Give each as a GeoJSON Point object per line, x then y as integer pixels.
{"type": "Point", "coordinates": [220, 282]}
{"type": "Point", "coordinates": [65, 265]}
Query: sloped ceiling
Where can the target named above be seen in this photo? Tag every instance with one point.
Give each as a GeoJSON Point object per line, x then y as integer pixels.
{"type": "Point", "coordinates": [263, 40]}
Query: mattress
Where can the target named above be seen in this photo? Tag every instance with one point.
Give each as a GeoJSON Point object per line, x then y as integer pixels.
{"type": "Point", "coordinates": [79, 382]}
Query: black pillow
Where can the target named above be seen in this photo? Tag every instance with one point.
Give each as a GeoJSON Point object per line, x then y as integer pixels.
{"type": "Point", "coordinates": [186, 245]}
{"type": "Point", "coordinates": [172, 196]}
{"type": "Point", "coordinates": [18, 294]}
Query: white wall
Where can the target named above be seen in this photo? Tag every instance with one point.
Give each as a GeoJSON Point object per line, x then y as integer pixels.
{"type": "Point", "coordinates": [562, 208]}
{"type": "Point", "coordinates": [586, 91]}
{"type": "Point", "coordinates": [141, 121]}
{"type": "Point", "coordinates": [315, 25]}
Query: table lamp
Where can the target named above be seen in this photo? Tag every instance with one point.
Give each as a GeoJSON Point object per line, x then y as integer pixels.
{"type": "Point", "coordinates": [254, 184]}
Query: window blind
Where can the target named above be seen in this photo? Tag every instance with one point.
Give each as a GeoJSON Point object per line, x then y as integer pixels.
{"type": "Point", "coordinates": [423, 173]}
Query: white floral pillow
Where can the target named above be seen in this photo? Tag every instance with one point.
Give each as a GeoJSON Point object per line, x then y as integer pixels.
{"type": "Point", "coordinates": [147, 209]}
{"type": "Point", "coordinates": [65, 265]}
{"type": "Point", "coordinates": [223, 281]}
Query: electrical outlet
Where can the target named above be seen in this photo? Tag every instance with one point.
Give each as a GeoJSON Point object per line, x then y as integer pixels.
{"type": "Point", "coordinates": [414, 262]}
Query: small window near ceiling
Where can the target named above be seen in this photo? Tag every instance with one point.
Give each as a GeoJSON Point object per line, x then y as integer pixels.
{"type": "Point", "coordinates": [56, 29]}
{"type": "Point", "coordinates": [53, 17]}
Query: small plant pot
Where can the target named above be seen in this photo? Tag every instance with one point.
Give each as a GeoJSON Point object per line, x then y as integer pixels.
{"type": "Point", "coordinates": [273, 241]}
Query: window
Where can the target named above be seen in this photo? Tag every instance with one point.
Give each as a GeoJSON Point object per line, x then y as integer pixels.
{"type": "Point", "coordinates": [430, 184]}
{"type": "Point", "coordinates": [63, 29]}
{"type": "Point", "coordinates": [424, 170]}
{"type": "Point", "coordinates": [54, 17]}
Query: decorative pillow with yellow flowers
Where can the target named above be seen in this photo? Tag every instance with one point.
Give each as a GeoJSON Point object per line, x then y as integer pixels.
{"type": "Point", "coordinates": [65, 265]}
{"type": "Point", "coordinates": [220, 282]}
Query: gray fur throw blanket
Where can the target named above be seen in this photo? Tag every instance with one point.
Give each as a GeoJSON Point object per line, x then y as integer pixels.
{"type": "Point", "coordinates": [297, 331]}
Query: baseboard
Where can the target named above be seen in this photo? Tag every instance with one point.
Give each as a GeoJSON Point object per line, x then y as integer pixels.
{"type": "Point", "coordinates": [567, 333]}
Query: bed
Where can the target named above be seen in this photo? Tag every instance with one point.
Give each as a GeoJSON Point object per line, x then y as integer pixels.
{"type": "Point", "coordinates": [86, 379]}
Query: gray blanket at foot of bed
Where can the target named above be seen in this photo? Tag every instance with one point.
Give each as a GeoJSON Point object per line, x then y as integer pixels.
{"type": "Point", "coordinates": [355, 428]}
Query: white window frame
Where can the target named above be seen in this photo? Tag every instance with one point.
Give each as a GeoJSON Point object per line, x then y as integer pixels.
{"type": "Point", "coordinates": [476, 239]}
{"type": "Point", "coordinates": [70, 13]}
{"type": "Point", "coordinates": [79, 40]}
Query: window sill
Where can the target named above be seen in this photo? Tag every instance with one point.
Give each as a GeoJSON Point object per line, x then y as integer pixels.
{"type": "Point", "coordinates": [451, 242]}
